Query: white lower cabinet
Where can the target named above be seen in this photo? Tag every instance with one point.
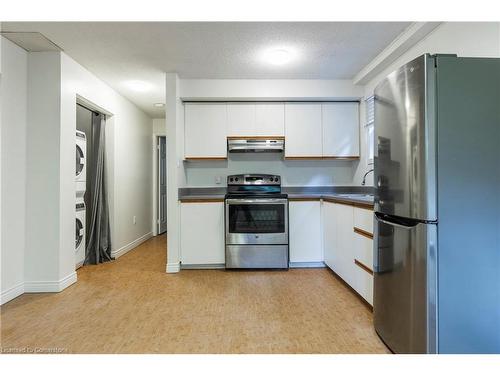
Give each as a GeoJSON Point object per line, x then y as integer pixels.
{"type": "Point", "coordinates": [202, 234]}
{"type": "Point", "coordinates": [344, 242]}
{"type": "Point", "coordinates": [305, 232]}
{"type": "Point", "coordinates": [363, 253]}
{"type": "Point", "coordinates": [343, 246]}
{"type": "Point", "coordinates": [329, 235]}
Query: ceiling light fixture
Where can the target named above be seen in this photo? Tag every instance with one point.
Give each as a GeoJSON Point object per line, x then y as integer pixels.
{"type": "Point", "coordinates": [139, 86]}
{"type": "Point", "coordinates": [278, 56]}
{"type": "Point", "coordinates": [159, 105]}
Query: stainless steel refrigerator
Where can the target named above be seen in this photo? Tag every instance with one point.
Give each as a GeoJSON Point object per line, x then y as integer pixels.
{"type": "Point", "coordinates": [437, 206]}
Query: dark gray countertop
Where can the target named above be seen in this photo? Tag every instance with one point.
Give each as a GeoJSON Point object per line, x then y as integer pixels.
{"type": "Point", "coordinates": [336, 193]}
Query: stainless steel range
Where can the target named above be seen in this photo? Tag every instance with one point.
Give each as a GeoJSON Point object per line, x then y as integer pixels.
{"type": "Point", "coordinates": [256, 222]}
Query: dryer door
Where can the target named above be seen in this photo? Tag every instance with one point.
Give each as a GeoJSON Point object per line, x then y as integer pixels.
{"type": "Point", "coordinates": [78, 233]}
{"type": "Point", "coordinates": [80, 160]}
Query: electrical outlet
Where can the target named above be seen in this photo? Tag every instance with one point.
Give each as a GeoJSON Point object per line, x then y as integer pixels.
{"type": "Point", "coordinates": [218, 180]}
{"type": "Point", "coordinates": [134, 220]}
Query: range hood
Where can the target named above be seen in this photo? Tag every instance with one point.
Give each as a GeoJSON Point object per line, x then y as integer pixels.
{"type": "Point", "coordinates": [255, 145]}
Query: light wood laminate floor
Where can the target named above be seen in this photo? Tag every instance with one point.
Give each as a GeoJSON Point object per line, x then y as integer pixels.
{"type": "Point", "coordinates": [132, 306]}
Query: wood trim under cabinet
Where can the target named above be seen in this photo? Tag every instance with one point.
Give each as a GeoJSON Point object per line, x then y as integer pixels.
{"type": "Point", "coordinates": [341, 157]}
{"type": "Point", "coordinates": [311, 199]}
{"type": "Point", "coordinates": [363, 233]}
{"type": "Point", "coordinates": [303, 157]}
{"type": "Point", "coordinates": [366, 206]}
{"type": "Point", "coordinates": [321, 157]}
{"type": "Point", "coordinates": [196, 158]}
{"type": "Point", "coordinates": [363, 267]}
{"type": "Point", "coordinates": [201, 200]}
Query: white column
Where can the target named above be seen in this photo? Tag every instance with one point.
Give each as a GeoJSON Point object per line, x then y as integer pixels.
{"type": "Point", "coordinates": [175, 168]}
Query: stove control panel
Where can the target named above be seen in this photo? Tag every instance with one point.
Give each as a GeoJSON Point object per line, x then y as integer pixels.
{"type": "Point", "coordinates": [253, 179]}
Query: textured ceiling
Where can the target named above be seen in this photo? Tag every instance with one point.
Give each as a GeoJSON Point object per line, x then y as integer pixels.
{"type": "Point", "coordinates": [116, 52]}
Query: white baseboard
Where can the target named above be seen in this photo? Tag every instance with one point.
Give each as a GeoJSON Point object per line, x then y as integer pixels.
{"type": "Point", "coordinates": [49, 286]}
{"type": "Point", "coordinates": [173, 267]}
{"type": "Point", "coordinates": [125, 249]}
{"type": "Point", "coordinates": [11, 293]}
{"type": "Point", "coordinates": [307, 265]}
{"type": "Point", "coordinates": [213, 266]}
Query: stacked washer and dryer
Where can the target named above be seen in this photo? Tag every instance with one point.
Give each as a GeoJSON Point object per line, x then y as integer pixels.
{"type": "Point", "coordinates": [81, 183]}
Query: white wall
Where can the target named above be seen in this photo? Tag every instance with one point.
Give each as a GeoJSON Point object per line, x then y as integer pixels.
{"type": "Point", "coordinates": [181, 174]}
{"type": "Point", "coordinates": [43, 219]}
{"type": "Point", "coordinates": [466, 39]}
{"type": "Point", "coordinates": [38, 124]}
{"type": "Point", "coordinates": [129, 153]}
{"type": "Point", "coordinates": [277, 89]}
{"type": "Point", "coordinates": [13, 107]}
{"type": "Point", "coordinates": [159, 126]}
{"type": "Point", "coordinates": [292, 172]}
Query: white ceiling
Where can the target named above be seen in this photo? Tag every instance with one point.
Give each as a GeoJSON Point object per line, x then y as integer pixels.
{"type": "Point", "coordinates": [120, 51]}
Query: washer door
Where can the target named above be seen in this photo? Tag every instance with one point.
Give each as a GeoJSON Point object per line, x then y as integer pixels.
{"type": "Point", "coordinates": [80, 160]}
{"type": "Point", "coordinates": [78, 233]}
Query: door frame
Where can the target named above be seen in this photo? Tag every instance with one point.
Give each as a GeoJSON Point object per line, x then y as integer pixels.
{"type": "Point", "coordinates": [155, 186]}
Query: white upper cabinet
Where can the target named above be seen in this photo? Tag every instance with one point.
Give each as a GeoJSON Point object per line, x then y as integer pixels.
{"type": "Point", "coordinates": [251, 119]}
{"type": "Point", "coordinates": [270, 119]}
{"type": "Point", "coordinates": [303, 134]}
{"type": "Point", "coordinates": [241, 119]}
{"type": "Point", "coordinates": [340, 129]}
{"type": "Point", "coordinates": [205, 130]}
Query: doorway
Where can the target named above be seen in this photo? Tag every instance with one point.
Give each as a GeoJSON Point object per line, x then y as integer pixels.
{"type": "Point", "coordinates": [88, 122]}
{"type": "Point", "coordinates": [161, 219]}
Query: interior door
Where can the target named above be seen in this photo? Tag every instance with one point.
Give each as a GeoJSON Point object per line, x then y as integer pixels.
{"type": "Point", "coordinates": [405, 285]}
{"type": "Point", "coordinates": [162, 184]}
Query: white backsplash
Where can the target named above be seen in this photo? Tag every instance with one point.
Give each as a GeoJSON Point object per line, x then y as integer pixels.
{"type": "Point", "coordinates": [292, 172]}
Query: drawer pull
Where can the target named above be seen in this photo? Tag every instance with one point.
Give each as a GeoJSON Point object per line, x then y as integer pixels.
{"type": "Point", "coordinates": [363, 267]}
{"type": "Point", "coordinates": [363, 233]}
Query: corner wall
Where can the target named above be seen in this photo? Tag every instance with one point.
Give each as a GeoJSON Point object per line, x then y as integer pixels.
{"type": "Point", "coordinates": [13, 108]}
{"type": "Point", "coordinates": [129, 173]}
{"type": "Point", "coordinates": [466, 39]}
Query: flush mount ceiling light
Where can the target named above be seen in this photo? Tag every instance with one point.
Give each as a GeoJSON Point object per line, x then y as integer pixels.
{"type": "Point", "coordinates": [139, 86]}
{"type": "Point", "coordinates": [278, 56]}
{"type": "Point", "coordinates": [159, 105]}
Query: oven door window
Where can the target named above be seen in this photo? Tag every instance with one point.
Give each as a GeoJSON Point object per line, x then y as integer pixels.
{"type": "Point", "coordinates": [255, 218]}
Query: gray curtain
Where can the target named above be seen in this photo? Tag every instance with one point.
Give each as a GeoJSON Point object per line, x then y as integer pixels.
{"type": "Point", "coordinates": [99, 243]}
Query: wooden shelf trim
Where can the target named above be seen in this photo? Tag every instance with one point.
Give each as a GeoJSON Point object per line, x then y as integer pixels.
{"type": "Point", "coordinates": [310, 199]}
{"type": "Point", "coordinates": [321, 157]}
{"type": "Point", "coordinates": [367, 206]}
{"type": "Point", "coordinates": [194, 158]}
{"type": "Point", "coordinates": [363, 267]}
{"type": "Point", "coordinates": [363, 233]}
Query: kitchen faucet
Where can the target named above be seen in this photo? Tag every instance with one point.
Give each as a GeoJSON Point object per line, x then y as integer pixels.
{"type": "Point", "coordinates": [363, 183]}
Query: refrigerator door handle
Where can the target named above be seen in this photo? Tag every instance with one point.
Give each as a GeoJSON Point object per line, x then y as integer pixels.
{"type": "Point", "coordinates": [396, 222]}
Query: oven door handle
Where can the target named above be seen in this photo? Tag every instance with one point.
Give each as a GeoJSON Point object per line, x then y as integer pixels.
{"type": "Point", "coordinates": [258, 200]}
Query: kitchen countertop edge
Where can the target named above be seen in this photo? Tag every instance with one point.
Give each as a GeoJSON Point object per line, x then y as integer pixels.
{"type": "Point", "coordinates": [187, 195]}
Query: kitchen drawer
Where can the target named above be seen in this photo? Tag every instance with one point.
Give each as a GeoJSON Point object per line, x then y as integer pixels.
{"type": "Point", "coordinates": [363, 250]}
{"type": "Point", "coordinates": [363, 219]}
{"type": "Point", "coordinates": [363, 284]}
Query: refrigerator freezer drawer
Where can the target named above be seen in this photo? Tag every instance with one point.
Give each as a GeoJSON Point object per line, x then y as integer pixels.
{"type": "Point", "coordinates": [405, 286]}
